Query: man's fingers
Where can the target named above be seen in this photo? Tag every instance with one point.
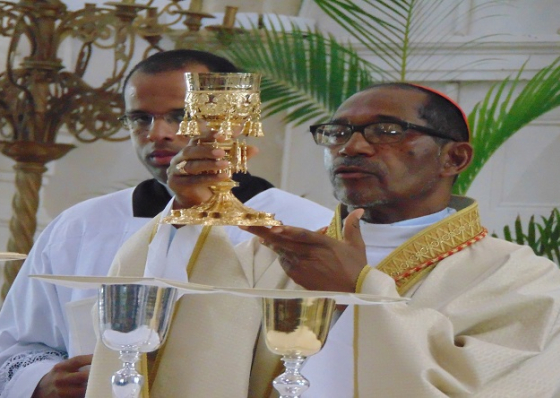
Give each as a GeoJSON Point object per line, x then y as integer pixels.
{"type": "Point", "coordinates": [194, 167]}
{"type": "Point", "coordinates": [351, 230]}
{"type": "Point", "coordinates": [75, 363]}
{"type": "Point", "coordinates": [200, 152]}
{"type": "Point", "coordinates": [203, 159]}
{"type": "Point", "coordinates": [75, 379]}
{"type": "Point", "coordinates": [287, 234]}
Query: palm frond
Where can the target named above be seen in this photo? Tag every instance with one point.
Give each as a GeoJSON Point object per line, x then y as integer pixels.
{"type": "Point", "coordinates": [304, 72]}
{"type": "Point", "coordinates": [395, 30]}
{"type": "Point", "coordinates": [502, 113]}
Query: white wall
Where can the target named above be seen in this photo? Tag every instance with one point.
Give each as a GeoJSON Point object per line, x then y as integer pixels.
{"type": "Point", "coordinates": [520, 178]}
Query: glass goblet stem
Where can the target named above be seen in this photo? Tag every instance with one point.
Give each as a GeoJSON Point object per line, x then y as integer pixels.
{"type": "Point", "coordinates": [127, 382]}
{"type": "Point", "coordinates": [291, 383]}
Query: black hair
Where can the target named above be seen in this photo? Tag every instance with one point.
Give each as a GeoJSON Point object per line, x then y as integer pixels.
{"type": "Point", "coordinates": [167, 61]}
{"type": "Point", "coordinates": [440, 113]}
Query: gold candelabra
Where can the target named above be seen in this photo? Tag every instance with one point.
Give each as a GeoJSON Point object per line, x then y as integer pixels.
{"type": "Point", "coordinates": [42, 96]}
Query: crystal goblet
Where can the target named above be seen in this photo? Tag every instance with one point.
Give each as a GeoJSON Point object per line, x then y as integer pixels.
{"type": "Point", "coordinates": [295, 328]}
{"type": "Point", "coordinates": [133, 319]}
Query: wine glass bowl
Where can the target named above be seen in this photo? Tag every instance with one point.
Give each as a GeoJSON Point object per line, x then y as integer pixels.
{"type": "Point", "coordinates": [133, 319]}
{"type": "Point", "coordinates": [295, 328]}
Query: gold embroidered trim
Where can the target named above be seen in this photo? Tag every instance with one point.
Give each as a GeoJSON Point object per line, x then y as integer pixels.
{"type": "Point", "coordinates": [362, 277]}
{"type": "Point", "coordinates": [415, 274]}
{"type": "Point", "coordinates": [355, 346]}
{"type": "Point", "coordinates": [415, 258]}
{"type": "Point", "coordinates": [434, 241]}
{"type": "Point", "coordinates": [198, 248]}
{"type": "Point", "coordinates": [334, 229]}
{"type": "Point", "coordinates": [440, 239]}
{"type": "Point", "coordinates": [155, 228]}
{"type": "Point", "coordinates": [145, 391]}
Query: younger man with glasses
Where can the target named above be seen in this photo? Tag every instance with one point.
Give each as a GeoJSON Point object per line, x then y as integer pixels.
{"type": "Point", "coordinates": [40, 324]}
{"type": "Point", "coordinates": [484, 314]}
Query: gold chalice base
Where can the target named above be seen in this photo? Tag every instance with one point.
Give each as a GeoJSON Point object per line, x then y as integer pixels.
{"type": "Point", "coordinates": [223, 208]}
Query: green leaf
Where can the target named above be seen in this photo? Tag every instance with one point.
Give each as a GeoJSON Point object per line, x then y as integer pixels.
{"type": "Point", "coordinates": [543, 237]}
{"type": "Point", "coordinates": [520, 237]}
{"type": "Point", "coordinates": [531, 232]}
{"type": "Point", "coordinates": [393, 31]}
{"type": "Point", "coordinates": [507, 233]}
{"type": "Point", "coordinates": [501, 114]}
{"type": "Point", "coordinates": [306, 73]}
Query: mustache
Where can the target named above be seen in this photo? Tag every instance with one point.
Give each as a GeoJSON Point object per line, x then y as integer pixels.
{"type": "Point", "coordinates": [163, 146]}
{"type": "Point", "coordinates": [359, 162]}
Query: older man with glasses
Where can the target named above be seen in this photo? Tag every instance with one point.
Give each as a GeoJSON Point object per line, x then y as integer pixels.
{"type": "Point", "coordinates": [484, 314]}
{"type": "Point", "coordinates": [42, 325]}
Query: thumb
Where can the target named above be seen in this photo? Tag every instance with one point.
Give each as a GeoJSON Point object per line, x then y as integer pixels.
{"type": "Point", "coordinates": [351, 230]}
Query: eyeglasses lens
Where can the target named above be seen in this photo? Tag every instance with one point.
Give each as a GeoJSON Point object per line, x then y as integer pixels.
{"type": "Point", "coordinates": [377, 133]}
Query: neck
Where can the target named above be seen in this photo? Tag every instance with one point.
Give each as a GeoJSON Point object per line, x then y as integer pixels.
{"type": "Point", "coordinates": [389, 214]}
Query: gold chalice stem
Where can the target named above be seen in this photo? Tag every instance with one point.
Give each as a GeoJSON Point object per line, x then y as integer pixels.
{"type": "Point", "coordinates": [223, 208]}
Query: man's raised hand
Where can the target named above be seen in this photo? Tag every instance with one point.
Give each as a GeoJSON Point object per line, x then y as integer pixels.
{"type": "Point", "coordinates": [316, 261]}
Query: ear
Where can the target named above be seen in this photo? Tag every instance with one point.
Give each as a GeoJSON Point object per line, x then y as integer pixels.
{"type": "Point", "coordinates": [455, 157]}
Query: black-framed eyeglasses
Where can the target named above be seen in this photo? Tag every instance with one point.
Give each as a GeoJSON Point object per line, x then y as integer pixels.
{"type": "Point", "coordinates": [382, 132]}
{"type": "Point", "coordinates": [143, 121]}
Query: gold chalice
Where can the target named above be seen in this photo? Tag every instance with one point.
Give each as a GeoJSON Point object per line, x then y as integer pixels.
{"type": "Point", "coordinates": [295, 328]}
{"type": "Point", "coordinates": [228, 103]}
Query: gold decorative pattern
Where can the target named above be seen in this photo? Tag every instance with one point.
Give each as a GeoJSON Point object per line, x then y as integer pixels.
{"type": "Point", "coordinates": [362, 277]}
{"type": "Point", "coordinates": [226, 102]}
{"type": "Point", "coordinates": [420, 254]}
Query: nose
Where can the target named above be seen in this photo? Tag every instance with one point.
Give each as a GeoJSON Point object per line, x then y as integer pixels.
{"type": "Point", "coordinates": [161, 130]}
{"type": "Point", "coordinates": [357, 146]}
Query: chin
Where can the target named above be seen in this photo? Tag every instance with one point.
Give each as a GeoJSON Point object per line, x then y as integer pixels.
{"type": "Point", "coordinates": [160, 175]}
{"type": "Point", "coordinates": [349, 199]}
{"type": "Point", "coordinates": [357, 200]}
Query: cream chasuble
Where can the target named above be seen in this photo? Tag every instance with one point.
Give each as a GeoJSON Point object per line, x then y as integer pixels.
{"type": "Point", "coordinates": [212, 339]}
{"type": "Point", "coordinates": [482, 323]}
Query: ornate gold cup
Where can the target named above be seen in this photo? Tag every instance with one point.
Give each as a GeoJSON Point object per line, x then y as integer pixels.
{"type": "Point", "coordinates": [228, 103]}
